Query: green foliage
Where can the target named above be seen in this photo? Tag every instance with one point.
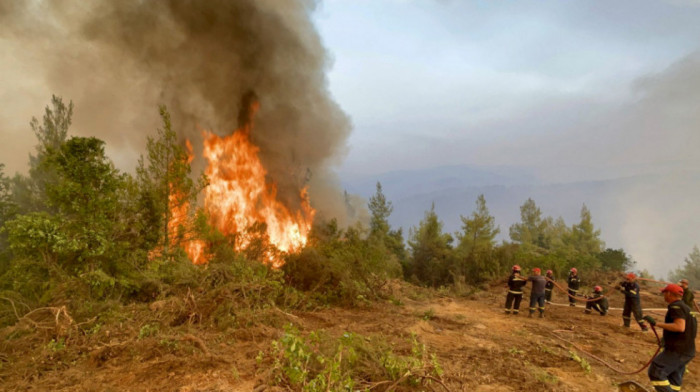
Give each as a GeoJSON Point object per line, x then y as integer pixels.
{"type": "Point", "coordinates": [56, 345]}
{"type": "Point", "coordinates": [615, 260]}
{"type": "Point", "coordinates": [318, 363]}
{"type": "Point", "coordinates": [165, 184]}
{"type": "Point", "coordinates": [475, 251]}
{"type": "Point", "coordinates": [689, 270]}
{"type": "Point", "coordinates": [532, 228]}
{"type": "Point", "coordinates": [431, 252]}
{"type": "Point", "coordinates": [581, 361]}
{"type": "Point", "coordinates": [341, 266]}
{"type": "Point", "coordinates": [148, 330]}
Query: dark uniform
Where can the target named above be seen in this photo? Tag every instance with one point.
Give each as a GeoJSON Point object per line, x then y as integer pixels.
{"type": "Point", "coordinates": [600, 305]}
{"type": "Point", "coordinates": [633, 304]}
{"type": "Point", "coordinates": [667, 369]}
{"type": "Point", "coordinates": [537, 294]}
{"type": "Point", "coordinates": [515, 292]}
{"type": "Point", "coordinates": [574, 283]}
{"type": "Point", "coordinates": [548, 288]}
{"type": "Point", "coordinates": [689, 298]}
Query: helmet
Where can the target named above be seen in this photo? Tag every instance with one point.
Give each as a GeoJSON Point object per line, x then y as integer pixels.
{"type": "Point", "coordinates": [631, 276]}
{"type": "Point", "coordinates": [516, 268]}
{"type": "Point", "coordinates": [549, 272]}
{"type": "Point", "coordinates": [597, 289]}
{"type": "Point", "coordinates": [536, 270]}
{"type": "Point", "coordinates": [574, 270]}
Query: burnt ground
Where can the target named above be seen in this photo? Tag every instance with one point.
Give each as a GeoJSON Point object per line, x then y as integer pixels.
{"type": "Point", "coordinates": [480, 349]}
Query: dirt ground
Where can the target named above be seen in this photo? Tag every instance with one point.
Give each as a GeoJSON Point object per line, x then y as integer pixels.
{"type": "Point", "coordinates": [479, 348]}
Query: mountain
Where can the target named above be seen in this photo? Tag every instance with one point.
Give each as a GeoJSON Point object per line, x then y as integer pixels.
{"type": "Point", "coordinates": [654, 217]}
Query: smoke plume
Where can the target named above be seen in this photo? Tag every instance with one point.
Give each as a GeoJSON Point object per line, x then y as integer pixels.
{"type": "Point", "coordinates": [118, 60]}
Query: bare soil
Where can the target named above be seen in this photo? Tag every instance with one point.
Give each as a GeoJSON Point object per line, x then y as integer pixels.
{"type": "Point", "coordinates": [479, 347]}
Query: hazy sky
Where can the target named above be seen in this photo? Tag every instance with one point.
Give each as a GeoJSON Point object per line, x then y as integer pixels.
{"type": "Point", "coordinates": [582, 89]}
{"type": "Point", "coordinates": [575, 90]}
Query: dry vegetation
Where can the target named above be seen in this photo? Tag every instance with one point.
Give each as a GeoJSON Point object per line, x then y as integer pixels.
{"type": "Point", "coordinates": [415, 339]}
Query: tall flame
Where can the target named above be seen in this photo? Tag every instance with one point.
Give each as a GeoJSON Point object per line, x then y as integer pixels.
{"type": "Point", "coordinates": [238, 195]}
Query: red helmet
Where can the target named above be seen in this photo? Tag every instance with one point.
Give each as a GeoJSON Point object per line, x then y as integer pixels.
{"type": "Point", "coordinates": [516, 268]}
{"type": "Point", "coordinates": [597, 289]}
{"type": "Point", "coordinates": [574, 270]}
{"type": "Point", "coordinates": [536, 270]}
{"type": "Point", "coordinates": [631, 276]}
{"type": "Point", "coordinates": [549, 272]}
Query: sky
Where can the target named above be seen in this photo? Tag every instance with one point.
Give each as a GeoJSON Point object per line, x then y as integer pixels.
{"type": "Point", "coordinates": [573, 90]}
{"type": "Point", "coordinates": [579, 89]}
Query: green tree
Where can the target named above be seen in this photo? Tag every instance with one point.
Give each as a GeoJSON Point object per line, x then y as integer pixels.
{"type": "Point", "coordinates": [29, 193]}
{"type": "Point", "coordinates": [380, 229]}
{"type": "Point", "coordinates": [165, 184]}
{"type": "Point", "coordinates": [431, 253]}
{"type": "Point", "coordinates": [8, 209]}
{"type": "Point", "coordinates": [476, 244]}
{"type": "Point", "coordinates": [532, 227]}
{"type": "Point", "coordinates": [615, 260]}
{"type": "Point", "coordinates": [689, 270]}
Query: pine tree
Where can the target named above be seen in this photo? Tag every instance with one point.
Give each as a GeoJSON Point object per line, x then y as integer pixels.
{"type": "Point", "coordinates": [476, 243]}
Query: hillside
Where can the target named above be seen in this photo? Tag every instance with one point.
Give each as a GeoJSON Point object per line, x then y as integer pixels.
{"type": "Point", "coordinates": [172, 345]}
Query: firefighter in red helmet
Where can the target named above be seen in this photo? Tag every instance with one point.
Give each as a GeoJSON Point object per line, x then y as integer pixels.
{"type": "Point", "coordinates": [600, 304]}
{"type": "Point", "coordinates": [515, 290]}
{"type": "Point", "coordinates": [549, 286]}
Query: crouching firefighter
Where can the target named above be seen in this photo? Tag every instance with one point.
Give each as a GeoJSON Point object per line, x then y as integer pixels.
{"type": "Point", "coordinates": [633, 304]}
{"type": "Point", "coordinates": [515, 290]}
{"type": "Point", "coordinates": [680, 327]}
{"type": "Point", "coordinates": [597, 302]}
{"type": "Point", "coordinates": [537, 292]}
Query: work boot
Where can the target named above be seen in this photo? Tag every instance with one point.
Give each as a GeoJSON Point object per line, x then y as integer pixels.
{"type": "Point", "coordinates": [541, 314]}
{"type": "Point", "coordinates": [529, 315]}
{"type": "Point", "coordinates": [644, 327]}
{"type": "Point", "coordinates": [507, 311]}
{"type": "Point", "coordinates": [587, 311]}
{"type": "Point", "coordinates": [572, 304]}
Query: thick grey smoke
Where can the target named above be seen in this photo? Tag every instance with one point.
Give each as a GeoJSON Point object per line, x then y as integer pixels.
{"type": "Point", "coordinates": [118, 60]}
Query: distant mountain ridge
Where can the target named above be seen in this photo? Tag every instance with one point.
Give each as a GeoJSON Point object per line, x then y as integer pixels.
{"type": "Point", "coordinates": [654, 217]}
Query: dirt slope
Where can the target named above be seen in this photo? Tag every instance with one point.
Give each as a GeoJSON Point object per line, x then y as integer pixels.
{"type": "Point", "coordinates": [479, 347]}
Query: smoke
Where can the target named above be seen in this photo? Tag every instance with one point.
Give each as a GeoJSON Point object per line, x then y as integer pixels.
{"type": "Point", "coordinates": [119, 60]}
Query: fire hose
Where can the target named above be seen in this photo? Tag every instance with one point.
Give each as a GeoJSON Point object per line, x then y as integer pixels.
{"type": "Point", "coordinates": [609, 366]}
{"type": "Point", "coordinates": [695, 304]}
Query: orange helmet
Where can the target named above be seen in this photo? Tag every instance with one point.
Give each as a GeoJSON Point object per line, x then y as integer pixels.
{"type": "Point", "coordinates": [631, 276]}
{"type": "Point", "coordinates": [516, 268]}
{"type": "Point", "coordinates": [536, 270]}
{"type": "Point", "coordinates": [597, 289]}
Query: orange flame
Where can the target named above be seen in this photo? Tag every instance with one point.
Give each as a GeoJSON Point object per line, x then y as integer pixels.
{"type": "Point", "coordinates": [238, 196]}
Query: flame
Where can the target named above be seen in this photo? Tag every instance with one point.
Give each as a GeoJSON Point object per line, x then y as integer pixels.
{"type": "Point", "coordinates": [238, 195]}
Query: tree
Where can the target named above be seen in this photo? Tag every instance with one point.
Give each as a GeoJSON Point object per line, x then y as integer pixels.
{"type": "Point", "coordinates": [8, 209]}
{"type": "Point", "coordinates": [431, 252]}
{"type": "Point", "coordinates": [165, 183]}
{"type": "Point", "coordinates": [476, 243]}
{"type": "Point", "coordinates": [29, 193]}
{"type": "Point", "coordinates": [690, 270]}
{"type": "Point", "coordinates": [380, 230]}
{"type": "Point", "coordinates": [532, 228]}
{"type": "Point", "coordinates": [615, 260]}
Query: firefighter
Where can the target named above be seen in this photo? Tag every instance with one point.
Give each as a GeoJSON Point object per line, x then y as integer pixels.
{"type": "Point", "coordinates": [537, 292]}
{"type": "Point", "coordinates": [515, 290]}
{"type": "Point", "coordinates": [688, 295]}
{"type": "Point", "coordinates": [633, 304]}
{"type": "Point", "coordinates": [549, 286]}
{"type": "Point", "coordinates": [574, 283]}
{"type": "Point", "coordinates": [600, 305]}
{"type": "Point", "coordinates": [680, 327]}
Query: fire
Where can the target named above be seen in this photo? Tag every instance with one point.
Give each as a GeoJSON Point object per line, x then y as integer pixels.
{"type": "Point", "coordinates": [238, 198]}
{"type": "Point", "coordinates": [238, 195]}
